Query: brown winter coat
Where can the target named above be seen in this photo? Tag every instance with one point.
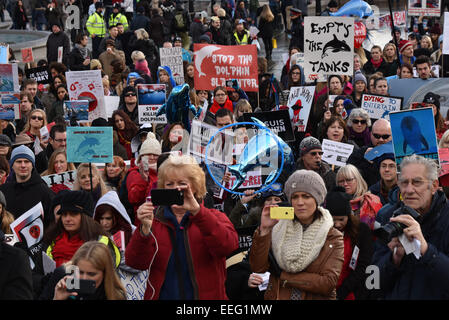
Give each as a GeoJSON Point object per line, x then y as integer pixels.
{"type": "Point", "coordinates": [316, 282]}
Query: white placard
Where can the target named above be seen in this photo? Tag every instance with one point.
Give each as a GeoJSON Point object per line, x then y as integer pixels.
{"type": "Point", "coordinates": [446, 33]}
{"type": "Point", "coordinates": [111, 104]}
{"type": "Point", "coordinates": [299, 104]}
{"type": "Point", "coordinates": [60, 52]}
{"type": "Point", "coordinates": [172, 57]}
{"type": "Point", "coordinates": [88, 85]}
{"type": "Point", "coordinates": [135, 283]}
{"type": "Point", "coordinates": [328, 47]}
{"type": "Point", "coordinates": [147, 114]}
{"type": "Point", "coordinates": [380, 106]}
{"type": "Point", "coordinates": [336, 153]}
{"type": "Point", "coordinates": [66, 178]}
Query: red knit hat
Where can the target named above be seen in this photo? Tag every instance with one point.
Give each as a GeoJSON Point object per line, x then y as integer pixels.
{"type": "Point", "coordinates": [404, 46]}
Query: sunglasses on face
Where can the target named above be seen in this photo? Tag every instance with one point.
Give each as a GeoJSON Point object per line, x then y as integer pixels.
{"type": "Point", "coordinates": [383, 136]}
{"type": "Point", "coordinates": [314, 153]}
{"type": "Point", "coordinates": [359, 121]}
{"type": "Point", "coordinates": [37, 118]}
{"type": "Point", "coordinates": [130, 94]}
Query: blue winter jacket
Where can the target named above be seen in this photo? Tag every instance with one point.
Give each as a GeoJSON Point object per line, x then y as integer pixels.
{"type": "Point", "coordinates": [428, 277]}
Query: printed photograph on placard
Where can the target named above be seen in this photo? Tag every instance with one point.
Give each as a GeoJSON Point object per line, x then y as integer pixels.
{"type": "Point", "coordinates": [151, 94]}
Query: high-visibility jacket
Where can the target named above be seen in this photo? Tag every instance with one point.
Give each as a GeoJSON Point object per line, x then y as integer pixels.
{"type": "Point", "coordinates": [119, 18]}
{"type": "Point", "coordinates": [245, 39]}
{"type": "Point", "coordinates": [115, 252]}
{"type": "Point", "coordinates": [96, 25]}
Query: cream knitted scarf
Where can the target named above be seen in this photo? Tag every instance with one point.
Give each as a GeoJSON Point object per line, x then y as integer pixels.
{"type": "Point", "coordinates": [293, 248]}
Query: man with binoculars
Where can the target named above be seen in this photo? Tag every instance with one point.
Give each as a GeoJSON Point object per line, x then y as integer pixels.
{"type": "Point", "coordinates": [422, 215]}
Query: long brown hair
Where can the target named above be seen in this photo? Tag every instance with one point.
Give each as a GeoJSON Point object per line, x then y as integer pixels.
{"type": "Point", "coordinates": [99, 256]}
{"type": "Point", "coordinates": [166, 144]}
{"type": "Point", "coordinates": [130, 127]}
{"type": "Point", "coordinates": [51, 162]}
{"type": "Point", "coordinates": [352, 227]}
{"type": "Point", "coordinates": [6, 219]}
{"type": "Point", "coordinates": [266, 13]}
{"type": "Point", "coordinates": [118, 161]}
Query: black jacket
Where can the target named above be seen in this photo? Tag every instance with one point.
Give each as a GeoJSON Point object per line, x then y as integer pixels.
{"type": "Point", "coordinates": [75, 60]}
{"type": "Point", "coordinates": [20, 197]}
{"type": "Point", "coordinates": [368, 68]}
{"type": "Point", "coordinates": [156, 31]}
{"type": "Point", "coordinates": [197, 29]}
{"type": "Point", "coordinates": [297, 39]}
{"type": "Point", "coordinates": [369, 171]}
{"type": "Point", "coordinates": [428, 277]}
{"type": "Point", "coordinates": [140, 21]}
{"type": "Point", "coordinates": [54, 41]}
{"type": "Point", "coordinates": [15, 274]}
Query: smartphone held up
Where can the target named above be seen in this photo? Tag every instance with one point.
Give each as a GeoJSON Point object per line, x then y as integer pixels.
{"type": "Point", "coordinates": [167, 197]}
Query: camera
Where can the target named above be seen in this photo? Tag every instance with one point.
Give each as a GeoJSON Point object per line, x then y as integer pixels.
{"type": "Point", "coordinates": [231, 83]}
{"type": "Point", "coordinates": [393, 229]}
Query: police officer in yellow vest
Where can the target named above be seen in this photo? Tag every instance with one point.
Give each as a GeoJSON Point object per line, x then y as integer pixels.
{"type": "Point", "coordinates": [96, 26]}
{"type": "Point", "coordinates": [117, 17]}
{"type": "Point", "coordinates": [241, 35]}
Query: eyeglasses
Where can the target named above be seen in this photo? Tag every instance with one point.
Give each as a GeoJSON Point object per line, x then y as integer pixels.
{"type": "Point", "coordinates": [383, 136]}
{"type": "Point", "coordinates": [347, 180]}
{"type": "Point", "coordinates": [415, 182]}
{"type": "Point", "coordinates": [355, 121]}
{"type": "Point", "coordinates": [60, 140]}
{"type": "Point", "coordinates": [220, 95]}
{"type": "Point", "coordinates": [37, 118]}
{"type": "Point", "coordinates": [314, 153]}
{"type": "Point", "coordinates": [130, 94]}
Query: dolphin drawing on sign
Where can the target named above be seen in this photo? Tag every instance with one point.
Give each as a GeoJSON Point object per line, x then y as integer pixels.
{"type": "Point", "coordinates": [356, 8]}
{"type": "Point", "coordinates": [87, 143]}
{"type": "Point", "coordinates": [386, 114]}
{"type": "Point", "coordinates": [412, 135]}
{"type": "Point", "coordinates": [205, 52]}
{"type": "Point", "coordinates": [335, 45]}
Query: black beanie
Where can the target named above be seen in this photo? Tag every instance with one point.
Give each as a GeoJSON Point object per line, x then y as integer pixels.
{"type": "Point", "coordinates": [337, 202]}
{"type": "Point", "coordinates": [77, 201]}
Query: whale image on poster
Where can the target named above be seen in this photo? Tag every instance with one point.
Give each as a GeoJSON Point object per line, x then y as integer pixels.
{"type": "Point", "coordinates": [89, 144]}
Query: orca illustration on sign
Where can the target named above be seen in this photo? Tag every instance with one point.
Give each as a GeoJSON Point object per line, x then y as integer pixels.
{"type": "Point", "coordinates": [412, 135]}
{"type": "Point", "coordinates": [335, 45]}
{"type": "Point", "coordinates": [205, 52]}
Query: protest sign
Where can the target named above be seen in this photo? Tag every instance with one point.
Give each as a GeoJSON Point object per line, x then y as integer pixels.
{"type": "Point", "coordinates": [40, 74]}
{"type": "Point", "coordinates": [359, 34]}
{"type": "Point", "coordinates": [151, 97]}
{"type": "Point", "coordinates": [299, 104]}
{"type": "Point", "coordinates": [29, 229]}
{"type": "Point", "coordinates": [66, 178]}
{"type": "Point", "coordinates": [379, 106]}
{"type": "Point", "coordinates": [88, 85]}
{"type": "Point", "coordinates": [413, 132]}
{"type": "Point", "coordinates": [9, 78]}
{"type": "Point", "coordinates": [27, 55]}
{"type": "Point", "coordinates": [89, 144]}
{"type": "Point", "coordinates": [111, 104]}
{"type": "Point", "coordinates": [253, 180]}
{"type": "Point", "coordinates": [297, 58]}
{"type": "Point", "coordinates": [215, 64]}
{"type": "Point", "coordinates": [60, 53]}
{"type": "Point", "coordinates": [218, 171]}
{"type": "Point", "coordinates": [9, 106]}
{"type": "Point", "coordinates": [336, 153]}
{"type": "Point", "coordinates": [147, 114]}
{"type": "Point", "coordinates": [172, 57]}
{"type": "Point", "coordinates": [428, 8]}
{"type": "Point", "coordinates": [135, 283]}
{"type": "Point", "coordinates": [329, 47]}
{"type": "Point", "coordinates": [399, 17]}
{"type": "Point", "coordinates": [45, 132]}
{"type": "Point", "coordinates": [245, 237]}
{"type": "Point", "coordinates": [119, 240]}
{"type": "Point", "coordinates": [277, 121]}
{"type": "Point", "coordinates": [10, 239]}
{"type": "Point", "coordinates": [78, 109]}
{"type": "Point", "coordinates": [4, 47]}
{"type": "Point", "coordinates": [446, 34]}
{"type": "Point", "coordinates": [219, 151]}
{"type": "Point", "coordinates": [443, 154]}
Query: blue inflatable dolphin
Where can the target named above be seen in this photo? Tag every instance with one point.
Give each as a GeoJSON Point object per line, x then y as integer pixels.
{"type": "Point", "coordinates": [263, 145]}
{"type": "Point", "coordinates": [356, 8]}
{"type": "Point", "coordinates": [178, 106]}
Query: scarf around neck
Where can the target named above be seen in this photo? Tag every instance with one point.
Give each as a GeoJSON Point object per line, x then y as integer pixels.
{"type": "Point", "coordinates": [377, 64]}
{"type": "Point", "coordinates": [82, 50]}
{"type": "Point", "coordinates": [295, 248]}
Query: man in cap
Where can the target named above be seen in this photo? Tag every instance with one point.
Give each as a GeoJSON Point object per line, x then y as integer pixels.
{"type": "Point", "coordinates": [310, 153]}
{"type": "Point", "coordinates": [96, 26]}
{"type": "Point", "coordinates": [26, 188]}
{"type": "Point", "coordinates": [297, 30]}
{"type": "Point", "coordinates": [129, 104]}
{"type": "Point", "coordinates": [117, 16]}
{"type": "Point", "coordinates": [332, 6]}
{"type": "Point", "coordinates": [215, 29]}
{"type": "Point", "coordinates": [57, 39]}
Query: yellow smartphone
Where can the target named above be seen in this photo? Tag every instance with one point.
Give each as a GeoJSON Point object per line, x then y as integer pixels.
{"type": "Point", "coordinates": [279, 213]}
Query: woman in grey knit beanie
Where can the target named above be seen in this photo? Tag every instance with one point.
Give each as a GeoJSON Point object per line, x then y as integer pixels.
{"type": "Point", "coordinates": [307, 251]}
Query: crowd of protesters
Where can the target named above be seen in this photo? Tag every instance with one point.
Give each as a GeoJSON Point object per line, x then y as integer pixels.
{"type": "Point", "coordinates": [191, 250]}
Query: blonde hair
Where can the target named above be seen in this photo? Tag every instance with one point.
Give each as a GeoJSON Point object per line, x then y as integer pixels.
{"type": "Point", "coordinates": [242, 105]}
{"type": "Point", "coordinates": [444, 141]}
{"type": "Point", "coordinates": [266, 13]}
{"type": "Point", "coordinates": [99, 256]}
{"type": "Point", "coordinates": [384, 54]}
{"type": "Point", "coordinates": [188, 165]}
{"type": "Point", "coordinates": [429, 42]}
{"type": "Point", "coordinates": [349, 171]}
{"type": "Point", "coordinates": [28, 125]}
{"type": "Point", "coordinates": [141, 34]}
{"type": "Point", "coordinates": [6, 219]}
{"type": "Point", "coordinates": [95, 173]}
{"type": "Point", "coordinates": [137, 55]}
{"type": "Point", "coordinates": [51, 162]}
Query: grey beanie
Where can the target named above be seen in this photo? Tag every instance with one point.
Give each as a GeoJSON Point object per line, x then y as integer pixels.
{"type": "Point", "coordinates": [5, 140]}
{"type": "Point", "coordinates": [307, 144]}
{"type": "Point", "coordinates": [2, 199]}
{"type": "Point", "coordinates": [20, 153]}
{"type": "Point", "coordinates": [306, 181]}
{"type": "Point", "coordinates": [358, 76]}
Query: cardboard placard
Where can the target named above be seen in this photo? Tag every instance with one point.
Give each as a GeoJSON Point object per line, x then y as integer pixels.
{"type": "Point", "coordinates": [89, 144]}
{"type": "Point", "coordinates": [300, 102]}
{"type": "Point", "coordinates": [88, 85]}
{"type": "Point", "coordinates": [277, 121]}
{"type": "Point", "coordinates": [413, 132]}
{"type": "Point", "coordinates": [27, 55]}
{"type": "Point", "coordinates": [336, 153]}
{"type": "Point", "coordinates": [9, 106]}
{"type": "Point", "coordinates": [78, 109]}
{"type": "Point", "coordinates": [379, 106]}
{"type": "Point", "coordinates": [9, 78]}
{"type": "Point", "coordinates": [428, 8]}
{"type": "Point", "coordinates": [40, 74]}
{"type": "Point", "coordinates": [172, 57]}
{"type": "Point", "coordinates": [4, 47]}
{"type": "Point", "coordinates": [111, 103]}
{"type": "Point", "coordinates": [329, 46]}
{"type": "Point", "coordinates": [66, 178]}
{"type": "Point", "coordinates": [214, 64]}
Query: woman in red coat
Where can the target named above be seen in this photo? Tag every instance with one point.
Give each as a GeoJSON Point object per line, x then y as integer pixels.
{"type": "Point", "coordinates": [183, 246]}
